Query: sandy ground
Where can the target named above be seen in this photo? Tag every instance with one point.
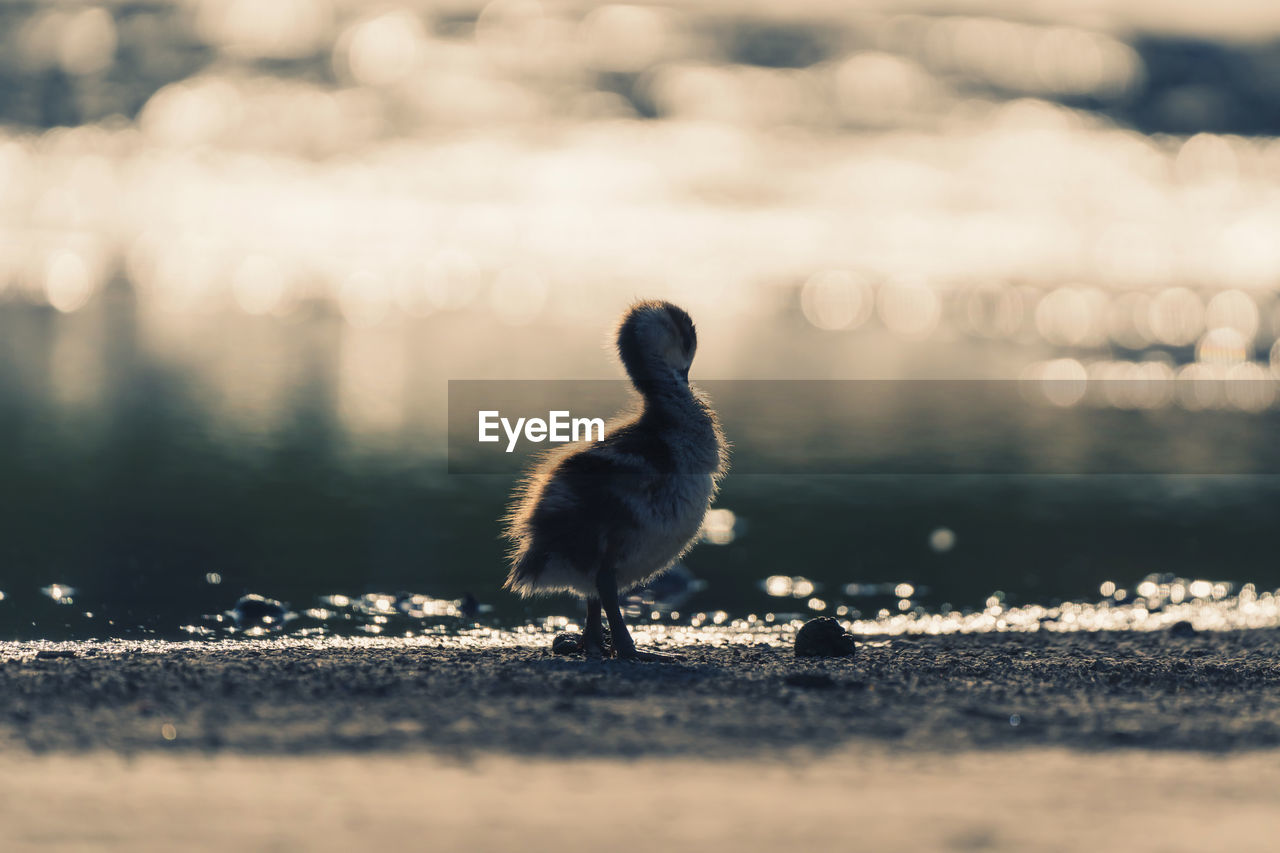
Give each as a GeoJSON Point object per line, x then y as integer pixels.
{"type": "Point", "coordinates": [865, 798]}
{"type": "Point", "coordinates": [1211, 691]}
{"type": "Point", "coordinates": [1011, 742]}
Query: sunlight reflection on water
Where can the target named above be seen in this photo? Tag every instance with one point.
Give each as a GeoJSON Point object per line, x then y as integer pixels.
{"type": "Point", "coordinates": [1247, 610]}
{"type": "Point", "coordinates": [1157, 602]}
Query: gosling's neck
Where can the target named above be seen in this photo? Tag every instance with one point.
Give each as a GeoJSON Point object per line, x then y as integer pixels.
{"type": "Point", "coordinates": [662, 389]}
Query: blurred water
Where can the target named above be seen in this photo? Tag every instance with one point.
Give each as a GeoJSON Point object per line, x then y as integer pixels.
{"type": "Point", "coordinates": [155, 505]}
{"type": "Point", "coordinates": [244, 246]}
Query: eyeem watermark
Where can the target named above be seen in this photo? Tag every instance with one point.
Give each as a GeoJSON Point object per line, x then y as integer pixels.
{"type": "Point", "coordinates": [559, 427]}
{"type": "Point", "coordinates": [1053, 422]}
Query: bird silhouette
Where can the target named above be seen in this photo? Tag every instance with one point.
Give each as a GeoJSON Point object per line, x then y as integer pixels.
{"type": "Point", "coordinates": [602, 517]}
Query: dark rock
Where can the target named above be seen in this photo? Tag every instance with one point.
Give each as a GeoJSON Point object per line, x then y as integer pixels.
{"type": "Point", "coordinates": [254, 611]}
{"type": "Point", "coordinates": [570, 643]}
{"type": "Point", "coordinates": [53, 654]}
{"type": "Point", "coordinates": [566, 644]}
{"type": "Point", "coordinates": [823, 637]}
{"type": "Point", "coordinates": [1182, 629]}
{"type": "Point", "coordinates": [809, 680]}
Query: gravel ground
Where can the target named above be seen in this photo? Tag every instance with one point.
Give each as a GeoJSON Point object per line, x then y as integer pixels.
{"type": "Point", "coordinates": [1208, 691]}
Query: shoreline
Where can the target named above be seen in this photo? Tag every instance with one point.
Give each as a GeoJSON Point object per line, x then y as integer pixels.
{"type": "Point", "coordinates": [1128, 741]}
{"type": "Point", "coordinates": [1212, 692]}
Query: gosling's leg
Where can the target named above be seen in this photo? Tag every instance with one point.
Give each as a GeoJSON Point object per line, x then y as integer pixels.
{"type": "Point", "coordinates": [593, 632]}
{"type": "Point", "coordinates": [624, 648]}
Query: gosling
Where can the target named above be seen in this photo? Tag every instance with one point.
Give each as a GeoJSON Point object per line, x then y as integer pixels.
{"type": "Point", "coordinates": [600, 518]}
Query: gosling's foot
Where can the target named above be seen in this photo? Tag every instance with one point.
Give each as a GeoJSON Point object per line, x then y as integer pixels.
{"type": "Point", "coordinates": [650, 657]}
{"type": "Point", "coordinates": [594, 648]}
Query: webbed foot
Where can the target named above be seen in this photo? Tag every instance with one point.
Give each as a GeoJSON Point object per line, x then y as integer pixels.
{"type": "Point", "coordinates": [593, 648]}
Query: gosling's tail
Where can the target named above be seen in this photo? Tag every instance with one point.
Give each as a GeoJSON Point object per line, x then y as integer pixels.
{"type": "Point", "coordinates": [526, 566]}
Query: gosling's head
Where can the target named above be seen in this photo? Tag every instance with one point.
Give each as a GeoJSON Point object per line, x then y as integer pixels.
{"type": "Point", "coordinates": [656, 342]}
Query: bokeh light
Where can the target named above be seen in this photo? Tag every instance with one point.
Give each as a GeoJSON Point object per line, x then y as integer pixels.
{"type": "Point", "coordinates": [836, 299]}
{"type": "Point", "coordinates": [257, 221]}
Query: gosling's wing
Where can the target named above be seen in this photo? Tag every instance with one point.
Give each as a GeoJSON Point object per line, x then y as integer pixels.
{"type": "Point", "coordinates": [640, 447]}
{"type": "Point", "coordinates": [573, 509]}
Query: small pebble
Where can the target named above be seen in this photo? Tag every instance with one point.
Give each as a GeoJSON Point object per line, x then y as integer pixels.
{"type": "Point", "coordinates": [823, 637]}
{"type": "Point", "coordinates": [566, 644]}
{"type": "Point", "coordinates": [1182, 629]}
{"type": "Point", "coordinates": [253, 611]}
{"type": "Point", "coordinates": [55, 654]}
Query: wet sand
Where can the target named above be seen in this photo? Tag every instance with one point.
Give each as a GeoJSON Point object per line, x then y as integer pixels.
{"type": "Point", "coordinates": [1022, 742]}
